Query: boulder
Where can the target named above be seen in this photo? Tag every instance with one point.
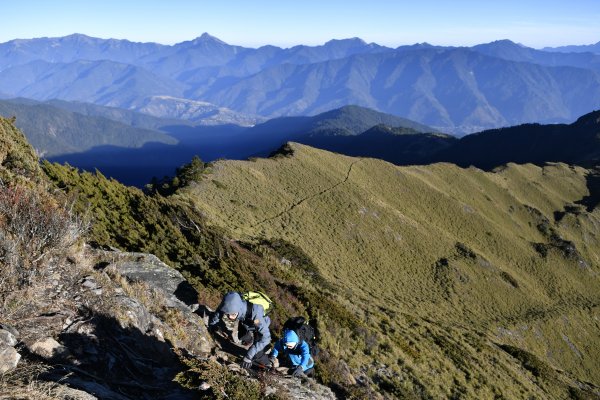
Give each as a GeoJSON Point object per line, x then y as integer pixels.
{"type": "Point", "coordinates": [10, 329]}
{"type": "Point", "coordinates": [7, 339]}
{"type": "Point", "coordinates": [9, 358]}
{"type": "Point", "coordinates": [135, 314]}
{"type": "Point", "coordinates": [99, 391]}
{"type": "Point", "coordinates": [65, 392]}
{"type": "Point", "coordinates": [48, 348]}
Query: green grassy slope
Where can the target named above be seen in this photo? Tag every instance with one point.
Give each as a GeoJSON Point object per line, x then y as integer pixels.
{"type": "Point", "coordinates": [464, 282]}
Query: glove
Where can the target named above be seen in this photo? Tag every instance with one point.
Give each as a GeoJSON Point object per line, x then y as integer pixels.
{"type": "Point", "coordinates": [298, 371]}
{"type": "Point", "coordinates": [246, 363]}
{"type": "Point", "coordinates": [274, 362]}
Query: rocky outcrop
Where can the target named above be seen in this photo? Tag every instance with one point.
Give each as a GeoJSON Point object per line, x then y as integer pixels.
{"type": "Point", "coordinates": [147, 268]}
{"type": "Point", "coordinates": [122, 326]}
{"type": "Point", "coordinates": [301, 389]}
{"type": "Point", "coordinates": [177, 294]}
{"type": "Point", "coordinates": [8, 336]}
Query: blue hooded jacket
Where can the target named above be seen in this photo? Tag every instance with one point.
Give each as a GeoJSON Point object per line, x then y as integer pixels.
{"type": "Point", "coordinates": [233, 303]}
{"type": "Point", "coordinates": [299, 355]}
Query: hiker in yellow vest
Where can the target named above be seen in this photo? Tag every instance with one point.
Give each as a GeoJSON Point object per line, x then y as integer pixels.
{"type": "Point", "coordinates": [243, 323]}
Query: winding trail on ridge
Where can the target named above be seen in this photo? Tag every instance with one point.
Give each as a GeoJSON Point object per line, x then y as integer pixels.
{"type": "Point", "coordinates": [294, 205]}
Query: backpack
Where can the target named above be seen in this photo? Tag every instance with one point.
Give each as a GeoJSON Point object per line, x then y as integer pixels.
{"type": "Point", "coordinates": [258, 298]}
{"type": "Point", "coordinates": [304, 331]}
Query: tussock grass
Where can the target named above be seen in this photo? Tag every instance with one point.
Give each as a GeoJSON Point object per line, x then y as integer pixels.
{"type": "Point", "coordinates": [23, 383]}
{"type": "Point", "coordinates": [222, 383]}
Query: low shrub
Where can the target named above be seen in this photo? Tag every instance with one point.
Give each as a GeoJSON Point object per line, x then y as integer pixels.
{"type": "Point", "coordinates": [32, 225]}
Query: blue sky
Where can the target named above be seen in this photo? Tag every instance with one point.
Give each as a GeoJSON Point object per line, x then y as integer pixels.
{"type": "Point", "coordinates": [287, 23]}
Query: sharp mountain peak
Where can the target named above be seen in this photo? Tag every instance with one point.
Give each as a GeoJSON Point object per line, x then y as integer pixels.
{"type": "Point", "coordinates": [207, 38]}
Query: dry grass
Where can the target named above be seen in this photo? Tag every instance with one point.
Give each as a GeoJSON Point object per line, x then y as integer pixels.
{"type": "Point", "coordinates": [154, 301]}
{"type": "Point", "coordinates": [23, 383]}
{"type": "Point", "coordinates": [32, 226]}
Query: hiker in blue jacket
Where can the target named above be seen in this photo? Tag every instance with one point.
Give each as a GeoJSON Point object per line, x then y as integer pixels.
{"type": "Point", "coordinates": [243, 322]}
{"type": "Point", "coordinates": [297, 352]}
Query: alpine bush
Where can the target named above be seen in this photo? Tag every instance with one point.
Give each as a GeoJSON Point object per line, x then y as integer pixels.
{"type": "Point", "coordinates": [32, 225]}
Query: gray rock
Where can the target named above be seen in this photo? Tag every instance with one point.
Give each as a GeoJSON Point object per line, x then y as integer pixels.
{"type": "Point", "coordinates": [93, 387]}
{"type": "Point", "coordinates": [149, 269]}
{"type": "Point", "coordinates": [90, 283]}
{"type": "Point", "coordinates": [65, 392]}
{"type": "Point", "coordinates": [48, 348]}
{"type": "Point", "coordinates": [178, 292]}
{"type": "Point", "coordinates": [221, 355]}
{"type": "Point", "coordinates": [11, 330]}
{"type": "Point", "coordinates": [9, 358]}
{"type": "Point", "coordinates": [301, 389]}
{"type": "Point", "coordinates": [7, 339]}
{"type": "Point", "coordinates": [136, 314]}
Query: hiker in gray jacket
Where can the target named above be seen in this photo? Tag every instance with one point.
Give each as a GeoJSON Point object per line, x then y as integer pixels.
{"type": "Point", "coordinates": [243, 322]}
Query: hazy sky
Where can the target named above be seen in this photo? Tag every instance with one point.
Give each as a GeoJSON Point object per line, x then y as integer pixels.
{"type": "Point", "coordinates": [535, 23]}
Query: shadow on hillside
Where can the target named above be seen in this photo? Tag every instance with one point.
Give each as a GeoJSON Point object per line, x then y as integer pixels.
{"type": "Point", "coordinates": [137, 166]}
{"type": "Point", "coordinates": [593, 184]}
{"type": "Point", "coordinates": [113, 362]}
{"type": "Point", "coordinates": [186, 293]}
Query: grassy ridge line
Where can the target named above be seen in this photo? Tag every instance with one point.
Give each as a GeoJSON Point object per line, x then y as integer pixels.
{"type": "Point", "coordinates": [451, 227]}
{"type": "Point", "coordinates": [391, 237]}
{"type": "Point", "coordinates": [288, 192]}
{"type": "Point", "coordinates": [296, 204]}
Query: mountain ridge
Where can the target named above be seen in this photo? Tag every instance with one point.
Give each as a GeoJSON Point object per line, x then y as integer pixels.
{"type": "Point", "coordinates": [577, 143]}
{"type": "Point", "coordinates": [431, 97]}
{"type": "Point", "coordinates": [419, 82]}
{"type": "Point", "coordinates": [593, 48]}
{"type": "Point", "coordinates": [53, 131]}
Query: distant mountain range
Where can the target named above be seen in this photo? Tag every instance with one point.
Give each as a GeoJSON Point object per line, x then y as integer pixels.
{"type": "Point", "coordinates": [451, 90]}
{"type": "Point", "coordinates": [457, 90]}
{"type": "Point", "coordinates": [325, 130]}
{"type": "Point", "coordinates": [53, 131]}
{"type": "Point", "coordinates": [507, 50]}
{"type": "Point", "coordinates": [155, 146]}
{"type": "Point", "coordinates": [198, 112]}
{"type": "Point", "coordinates": [340, 130]}
{"type": "Point", "coordinates": [591, 48]}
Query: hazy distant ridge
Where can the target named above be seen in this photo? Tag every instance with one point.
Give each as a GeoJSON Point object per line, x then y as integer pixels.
{"type": "Point", "coordinates": [455, 89]}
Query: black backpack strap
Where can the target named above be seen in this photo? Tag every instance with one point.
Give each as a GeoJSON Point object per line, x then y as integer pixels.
{"type": "Point", "coordinates": [248, 316]}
